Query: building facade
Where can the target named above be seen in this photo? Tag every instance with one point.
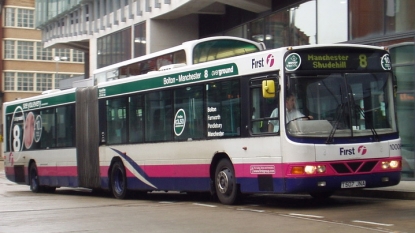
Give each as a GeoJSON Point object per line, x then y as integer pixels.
{"type": "Point", "coordinates": [27, 67]}
{"type": "Point", "coordinates": [111, 31]}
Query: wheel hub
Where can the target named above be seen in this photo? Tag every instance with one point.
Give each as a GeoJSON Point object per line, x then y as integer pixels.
{"type": "Point", "coordinates": [224, 181]}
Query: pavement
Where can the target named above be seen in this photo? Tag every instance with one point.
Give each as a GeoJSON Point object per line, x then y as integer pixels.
{"type": "Point", "coordinates": [404, 190]}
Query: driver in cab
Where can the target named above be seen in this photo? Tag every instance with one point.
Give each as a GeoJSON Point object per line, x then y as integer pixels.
{"type": "Point", "coordinates": [291, 113]}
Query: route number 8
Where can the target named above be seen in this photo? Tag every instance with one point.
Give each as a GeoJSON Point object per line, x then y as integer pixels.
{"type": "Point", "coordinates": [363, 60]}
{"type": "Point", "coordinates": [16, 138]}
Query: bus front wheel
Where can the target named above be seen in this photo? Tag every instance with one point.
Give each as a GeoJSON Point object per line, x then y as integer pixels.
{"type": "Point", "coordinates": [118, 180]}
{"type": "Point", "coordinates": [225, 182]}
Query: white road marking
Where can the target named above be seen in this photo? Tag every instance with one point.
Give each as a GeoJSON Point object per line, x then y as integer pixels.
{"type": "Point", "coordinates": [205, 205]}
{"type": "Point", "coordinates": [167, 202]}
{"type": "Point", "coordinates": [373, 223]}
{"type": "Point", "coordinates": [306, 215]}
{"type": "Point", "coordinates": [337, 223]}
{"type": "Point", "coordinates": [253, 210]}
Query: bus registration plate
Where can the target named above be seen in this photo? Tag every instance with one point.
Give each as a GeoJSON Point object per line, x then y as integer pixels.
{"type": "Point", "coordinates": [353, 184]}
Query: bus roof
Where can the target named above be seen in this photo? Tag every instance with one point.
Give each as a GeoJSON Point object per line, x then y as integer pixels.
{"type": "Point", "coordinates": [187, 46]}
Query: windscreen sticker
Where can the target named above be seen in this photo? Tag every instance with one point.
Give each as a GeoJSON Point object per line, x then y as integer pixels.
{"type": "Point", "coordinates": [385, 62]}
{"type": "Point", "coordinates": [292, 62]}
{"type": "Point", "coordinates": [179, 122]}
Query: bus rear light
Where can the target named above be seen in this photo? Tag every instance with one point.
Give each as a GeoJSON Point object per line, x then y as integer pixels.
{"type": "Point", "coordinates": [393, 164]}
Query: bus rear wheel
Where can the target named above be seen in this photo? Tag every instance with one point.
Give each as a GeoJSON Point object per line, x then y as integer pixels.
{"type": "Point", "coordinates": [118, 180]}
{"type": "Point", "coordinates": [34, 179]}
{"type": "Point", "coordinates": [225, 182]}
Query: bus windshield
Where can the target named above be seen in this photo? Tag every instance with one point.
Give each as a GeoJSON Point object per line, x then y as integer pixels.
{"type": "Point", "coordinates": [341, 105]}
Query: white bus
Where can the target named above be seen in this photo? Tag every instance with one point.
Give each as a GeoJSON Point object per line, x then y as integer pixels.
{"type": "Point", "coordinates": [207, 127]}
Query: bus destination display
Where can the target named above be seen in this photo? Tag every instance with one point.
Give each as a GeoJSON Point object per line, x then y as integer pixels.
{"type": "Point", "coordinates": [338, 60]}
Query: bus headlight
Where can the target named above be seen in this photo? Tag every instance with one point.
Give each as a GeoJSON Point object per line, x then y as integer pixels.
{"type": "Point", "coordinates": [393, 164]}
{"type": "Point", "coordinates": [321, 169]}
{"type": "Point", "coordinates": [308, 169]}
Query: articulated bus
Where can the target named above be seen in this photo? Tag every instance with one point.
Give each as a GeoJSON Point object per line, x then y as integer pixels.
{"type": "Point", "coordinates": [207, 128]}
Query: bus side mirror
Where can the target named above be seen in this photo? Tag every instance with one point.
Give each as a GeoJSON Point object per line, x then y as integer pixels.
{"type": "Point", "coordinates": [268, 88]}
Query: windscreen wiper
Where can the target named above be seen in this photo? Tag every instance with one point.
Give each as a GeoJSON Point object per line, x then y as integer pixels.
{"type": "Point", "coordinates": [339, 116]}
{"type": "Point", "coordinates": [374, 133]}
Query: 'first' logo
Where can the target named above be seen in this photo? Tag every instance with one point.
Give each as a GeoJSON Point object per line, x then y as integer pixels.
{"type": "Point", "coordinates": [361, 150]}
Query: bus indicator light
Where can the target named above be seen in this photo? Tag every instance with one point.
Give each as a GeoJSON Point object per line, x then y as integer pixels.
{"type": "Point", "coordinates": [297, 170]}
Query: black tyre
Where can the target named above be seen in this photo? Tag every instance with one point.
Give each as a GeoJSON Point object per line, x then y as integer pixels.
{"type": "Point", "coordinates": [225, 182]}
{"type": "Point", "coordinates": [34, 179]}
{"type": "Point", "coordinates": [321, 195]}
{"type": "Point", "coordinates": [118, 180]}
{"type": "Point", "coordinates": [49, 189]}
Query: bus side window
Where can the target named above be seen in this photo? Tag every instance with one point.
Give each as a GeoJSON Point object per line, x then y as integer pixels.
{"type": "Point", "coordinates": [188, 104]}
{"type": "Point", "coordinates": [65, 126]}
{"type": "Point", "coordinates": [136, 119]}
{"type": "Point", "coordinates": [116, 120]}
{"type": "Point", "coordinates": [158, 116]}
{"type": "Point", "coordinates": [48, 127]}
{"type": "Point", "coordinates": [264, 111]}
{"type": "Point", "coordinates": [224, 110]}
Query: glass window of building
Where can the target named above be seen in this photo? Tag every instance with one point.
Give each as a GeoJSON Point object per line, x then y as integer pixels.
{"type": "Point", "coordinates": [290, 26]}
{"type": "Point", "coordinates": [139, 40]}
{"type": "Point", "coordinates": [301, 31]}
{"type": "Point", "coordinates": [10, 17]}
{"type": "Point", "coordinates": [9, 81]}
{"type": "Point", "coordinates": [114, 48]}
{"type": "Point", "coordinates": [256, 30]}
{"type": "Point", "coordinates": [62, 54]}
{"type": "Point", "coordinates": [44, 54]}
{"type": "Point", "coordinates": [276, 29]}
{"type": "Point", "coordinates": [240, 31]}
{"type": "Point", "coordinates": [25, 81]}
{"type": "Point", "coordinates": [25, 18]}
{"type": "Point", "coordinates": [371, 18]}
{"type": "Point", "coordinates": [25, 50]}
{"type": "Point", "coordinates": [19, 17]}
{"type": "Point", "coordinates": [403, 59]}
{"type": "Point", "coordinates": [9, 49]}
{"type": "Point", "coordinates": [43, 82]}
{"type": "Point", "coordinates": [399, 16]}
{"type": "Point", "coordinates": [366, 18]}
{"type": "Point", "coordinates": [77, 56]}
